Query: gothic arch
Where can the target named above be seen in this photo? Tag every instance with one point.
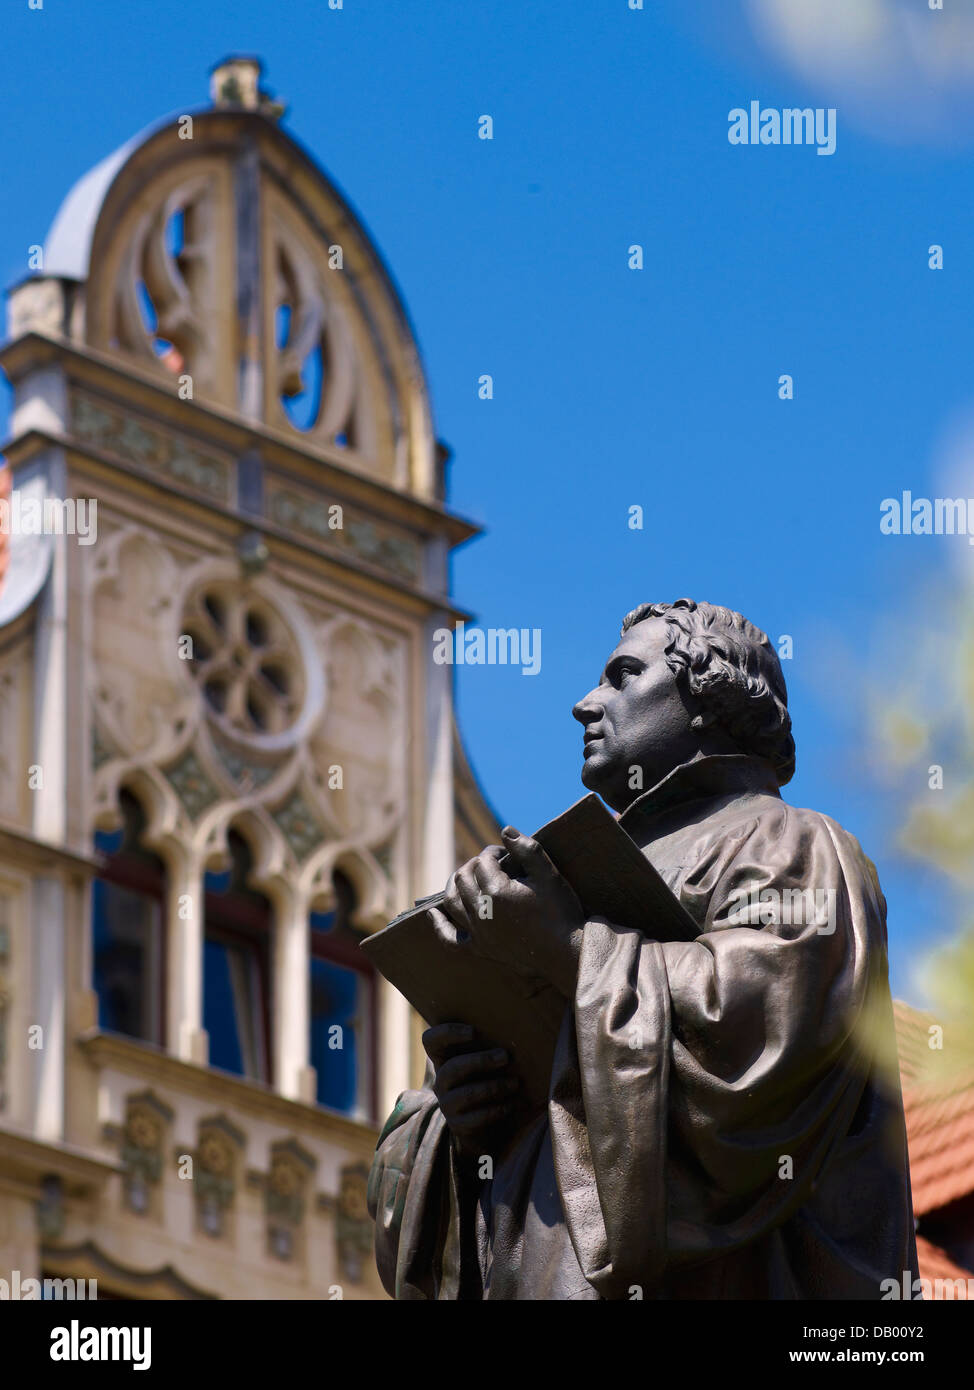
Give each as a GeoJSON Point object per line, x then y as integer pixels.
{"type": "Point", "coordinates": [372, 887]}
{"type": "Point", "coordinates": [258, 309]}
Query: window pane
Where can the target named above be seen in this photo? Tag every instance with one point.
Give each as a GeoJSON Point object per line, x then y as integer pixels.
{"type": "Point", "coordinates": [339, 1000]}
{"type": "Point", "coordinates": [127, 939]}
{"type": "Point", "coordinates": [231, 1007]}
{"type": "Point", "coordinates": [219, 1018]}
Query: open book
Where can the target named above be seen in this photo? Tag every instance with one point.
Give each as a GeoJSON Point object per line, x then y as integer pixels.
{"type": "Point", "coordinates": [446, 981]}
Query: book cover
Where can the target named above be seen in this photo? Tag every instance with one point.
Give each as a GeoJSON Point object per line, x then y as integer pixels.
{"type": "Point", "coordinates": [446, 980]}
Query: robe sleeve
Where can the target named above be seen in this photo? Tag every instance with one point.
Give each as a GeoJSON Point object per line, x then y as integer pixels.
{"type": "Point", "coordinates": [413, 1200]}
{"type": "Point", "coordinates": [692, 1077]}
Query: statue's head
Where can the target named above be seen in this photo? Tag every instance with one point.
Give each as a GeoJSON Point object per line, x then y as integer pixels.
{"type": "Point", "coordinates": [686, 680]}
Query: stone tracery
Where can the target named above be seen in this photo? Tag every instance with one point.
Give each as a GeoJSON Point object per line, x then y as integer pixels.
{"type": "Point", "coordinates": [293, 724]}
{"type": "Point", "coordinates": [164, 299]}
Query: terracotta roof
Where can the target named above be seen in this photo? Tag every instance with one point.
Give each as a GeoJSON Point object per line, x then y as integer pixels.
{"type": "Point", "coordinates": [939, 1107]}
{"type": "Point", "coordinates": [937, 1264]}
{"type": "Point", "coordinates": [912, 1037]}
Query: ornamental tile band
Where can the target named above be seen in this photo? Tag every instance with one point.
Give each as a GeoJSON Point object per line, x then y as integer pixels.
{"type": "Point", "coordinates": [136, 443]}
{"type": "Point", "coordinates": [310, 517]}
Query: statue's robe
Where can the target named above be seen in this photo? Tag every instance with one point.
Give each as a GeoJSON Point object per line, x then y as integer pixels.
{"type": "Point", "coordinates": [725, 1116]}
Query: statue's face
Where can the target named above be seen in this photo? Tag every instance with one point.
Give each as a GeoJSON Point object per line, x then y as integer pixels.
{"type": "Point", "coordinates": [636, 717]}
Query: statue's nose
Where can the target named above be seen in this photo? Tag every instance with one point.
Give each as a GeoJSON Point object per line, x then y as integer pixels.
{"type": "Point", "coordinates": [586, 710]}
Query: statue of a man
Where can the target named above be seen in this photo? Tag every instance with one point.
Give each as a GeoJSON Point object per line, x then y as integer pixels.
{"type": "Point", "coordinates": [725, 1117]}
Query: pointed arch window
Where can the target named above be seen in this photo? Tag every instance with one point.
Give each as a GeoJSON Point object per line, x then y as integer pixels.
{"type": "Point", "coordinates": [236, 968]}
{"type": "Point", "coordinates": [128, 899]}
{"type": "Point", "coordinates": [342, 1013]}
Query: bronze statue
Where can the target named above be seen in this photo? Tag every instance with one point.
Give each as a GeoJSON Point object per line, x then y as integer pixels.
{"type": "Point", "coordinates": [724, 1118]}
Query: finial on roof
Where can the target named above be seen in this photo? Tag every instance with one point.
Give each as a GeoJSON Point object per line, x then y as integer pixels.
{"type": "Point", "coordinates": [235, 85]}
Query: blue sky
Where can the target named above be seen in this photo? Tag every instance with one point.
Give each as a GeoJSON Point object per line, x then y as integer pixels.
{"type": "Point", "coordinates": [615, 387]}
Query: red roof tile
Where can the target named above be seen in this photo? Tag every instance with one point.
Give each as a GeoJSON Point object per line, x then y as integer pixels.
{"type": "Point", "coordinates": [936, 1264]}
{"type": "Point", "coordinates": [939, 1107]}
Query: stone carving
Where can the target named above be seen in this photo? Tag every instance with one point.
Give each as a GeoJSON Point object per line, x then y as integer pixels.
{"type": "Point", "coordinates": [36, 306]}
{"type": "Point", "coordinates": [361, 734]}
{"type": "Point", "coordinates": [143, 1140]}
{"type": "Point", "coordinates": [100, 750]}
{"type": "Point", "coordinates": [164, 296]}
{"type": "Point", "coordinates": [139, 690]}
{"type": "Point", "coordinates": [315, 356]}
{"type": "Point", "coordinates": [215, 1180]}
{"type": "Point", "coordinates": [286, 1196]}
{"type": "Point", "coordinates": [245, 724]}
{"type": "Point", "coordinates": [354, 1231]}
{"type": "Point", "coordinates": [383, 856]}
{"type": "Point", "coordinates": [245, 659]}
{"type": "Point", "coordinates": [298, 295]}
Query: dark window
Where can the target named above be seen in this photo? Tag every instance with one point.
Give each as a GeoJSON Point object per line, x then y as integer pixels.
{"type": "Point", "coordinates": [127, 928]}
{"type": "Point", "coordinates": [236, 969]}
{"type": "Point", "coordinates": [342, 1008]}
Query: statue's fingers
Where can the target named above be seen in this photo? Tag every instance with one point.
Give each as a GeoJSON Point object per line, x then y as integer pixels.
{"type": "Point", "coordinates": [442, 926]}
{"type": "Point", "coordinates": [467, 1067]}
{"type": "Point", "coordinates": [527, 853]}
{"type": "Point", "coordinates": [472, 1122]}
{"type": "Point", "coordinates": [480, 1094]}
{"type": "Point", "coordinates": [469, 889]}
{"type": "Point", "coordinates": [491, 878]}
{"type": "Point", "coordinates": [443, 1038]}
{"type": "Point", "coordinates": [453, 906]}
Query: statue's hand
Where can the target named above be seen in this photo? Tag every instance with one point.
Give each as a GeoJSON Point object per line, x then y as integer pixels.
{"type": "Point", "coordinates": [475, 1090]}
{"type": "Point", "coordinates": [532, 921]}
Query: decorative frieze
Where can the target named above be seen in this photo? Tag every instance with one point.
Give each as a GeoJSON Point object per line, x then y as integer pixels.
{"type": "Point", "coordinates": [155, 449]}
{"type": "Point", "coordinates": [361, 537]}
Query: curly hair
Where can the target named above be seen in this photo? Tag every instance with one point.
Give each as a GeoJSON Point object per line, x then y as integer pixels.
{"type": "Point", "coordinates": [730, 664]}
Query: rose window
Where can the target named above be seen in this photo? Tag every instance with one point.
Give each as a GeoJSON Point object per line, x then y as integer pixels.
{"type": "Point", "coordinates": [245, 660]}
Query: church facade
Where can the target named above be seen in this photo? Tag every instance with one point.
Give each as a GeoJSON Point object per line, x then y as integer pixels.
{"type": "Point", "coordinates": [226, 749]}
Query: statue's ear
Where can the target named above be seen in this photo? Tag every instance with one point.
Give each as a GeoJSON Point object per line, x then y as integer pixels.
{"type": "Point", "coordinates": [705, 720]}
